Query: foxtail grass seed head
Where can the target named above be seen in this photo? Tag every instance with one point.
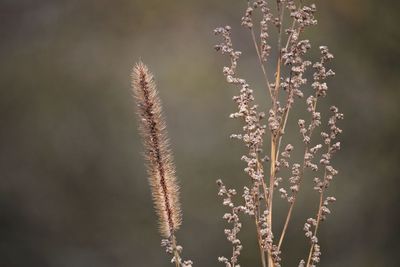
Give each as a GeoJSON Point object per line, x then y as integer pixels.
{"type": "Point", "coordinates": [160, 166]}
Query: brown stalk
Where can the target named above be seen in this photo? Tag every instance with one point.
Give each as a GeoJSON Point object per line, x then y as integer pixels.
{"type": "Point", "coordinates": [271, 191]}
{"type": "Point", "coordinates": [321, 199]}
{"type": "Point", "coordinates": [274, 148]}
{"type": "Point", "coordinates": [256, 216]}
{"type": "Point", "coordinates": [288, 217]}
{"type": "Point", "coordinates": [316, 228]}
{"type": "Point", "coordinates": [253, 36]}
{"type": "Point", "coordinates": [259, 239]}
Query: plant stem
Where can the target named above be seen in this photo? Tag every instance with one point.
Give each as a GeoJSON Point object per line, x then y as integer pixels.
{"type": "Point", "coordinates": [256, 215]}
{"type": "Point", "coordinates": [285, 226]}
{"type": "Point", "coordinates": [271, 192]}
{"type": "Point", "coordinates": [259, 238]}
{"type": "Point", "coordinates": [282, 128]}
{"type": "Point", "coordinates": [253, 36]}
{"type": "Point", "coordinates": [321, 199]}
{"type": "Point", "coordinates": [176, 253]}
{"type": "Point", "coordinates": [288, 217]}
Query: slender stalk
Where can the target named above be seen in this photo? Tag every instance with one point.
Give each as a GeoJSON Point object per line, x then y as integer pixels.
{"type": "Point", "coordinates": [321, 197]}
{"type": "Point", "coordinates": [285, 226]}
{"type": "Point", "coordinates": [274, 148]}
{"type": "Point", "coordinates": [256, 213]}
{"type": "Point", "coordinates": [264, 186]}
{"type": "Point", "coordinates": [286, 115]}
{"type": "Point", "coordinates": [319, 214]}
{"type": "Point", "coordinates": [282, 127]}
{"type": "Point", "coordinates": [176, 252]}
{"type": "Point", "coordinates": [254, 39]}
{"type": "Point", "coordinates": [281, 9]}
{"type": "Point", "coordinates": [288, 216]}
{"type": "Point", "coordinates": [282, 131]}
{"type": "Point", "coordinates": [259, 238]}
{"type": "Point", "coordinates": [272, 179]}
{"type": "Point", "coordinates": [277, 80]}
{"type": "Point", "coordinates": [253, 36]}
{"type": "Point", "coordinates": [271, 192]}
{"type": "Point", "coordinates": [257, 221]}
{"type": "Point", "coordinates": [275, 97]}
{"type": "Point", "coordinates": [259, 235]}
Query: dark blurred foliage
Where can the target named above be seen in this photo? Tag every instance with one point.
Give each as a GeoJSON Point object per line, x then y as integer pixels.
{"type": "Point", "coordinates": [73, 188]}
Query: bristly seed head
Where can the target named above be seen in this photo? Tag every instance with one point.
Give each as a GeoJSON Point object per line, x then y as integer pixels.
{"type": "Point", "coordinates": [160, 167]}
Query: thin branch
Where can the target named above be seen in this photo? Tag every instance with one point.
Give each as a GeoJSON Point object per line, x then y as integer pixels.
{"type": "Point", "coordinates": [253, 36]}
{"type": "Point", "coordinates": [259, 239]}
{"type": "Point", "coordinates": [319, 215]}
{"type": "Point", "coordinates": [271, 192]}
{"type": "Point", "coordinates": [288, 217]}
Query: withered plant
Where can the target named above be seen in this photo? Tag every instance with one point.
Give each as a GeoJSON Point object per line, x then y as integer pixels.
{"type": "Point", "coordinates": [284, 89]}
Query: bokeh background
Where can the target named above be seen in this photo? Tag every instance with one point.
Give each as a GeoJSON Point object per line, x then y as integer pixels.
{"type": "Point", "coordinates": [73, 188]}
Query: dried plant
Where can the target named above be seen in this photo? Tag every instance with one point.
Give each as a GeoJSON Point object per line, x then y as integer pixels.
{"type": "Point", "coordinates": [160, 166]}
{"type": "Point", "coordinates": [284, 89]}
{"type": "Point", "coordinates": [261, 131]}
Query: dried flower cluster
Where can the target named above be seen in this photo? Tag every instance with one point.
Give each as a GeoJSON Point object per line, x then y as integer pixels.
{"type": "Point", "coordinates": [160, 167]}
{"type": "Point", "coordinates": [289, 83]}
{"type": "Point", "coordinates": [231, 218]}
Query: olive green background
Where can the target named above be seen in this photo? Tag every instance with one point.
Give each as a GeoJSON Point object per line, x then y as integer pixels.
{"type": "Point", "coordinates": [73, 188]}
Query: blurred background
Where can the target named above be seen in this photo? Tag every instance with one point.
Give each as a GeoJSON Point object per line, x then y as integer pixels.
{"type": "Point", "coordinates": [73, 187]}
